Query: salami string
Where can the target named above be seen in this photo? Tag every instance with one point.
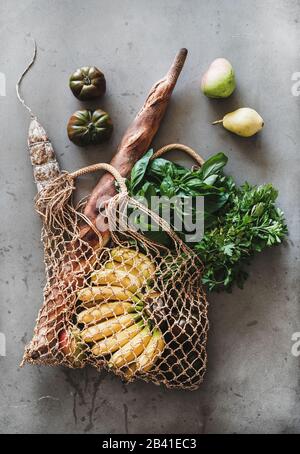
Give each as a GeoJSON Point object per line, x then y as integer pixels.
{"type": "Point", "coordinates": [18, 84]}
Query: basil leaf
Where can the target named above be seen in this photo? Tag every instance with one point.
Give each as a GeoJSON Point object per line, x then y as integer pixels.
{"type": "Point", "coordinates": [160, 167]}
{"type": "Point", "coordinates": [213, 165]}
{"type": "Point", "coordinates": [215, 202]}
{"type": "Point", "coordinates": [139, 169]}
{"type": "Point", "coordinates": [210, 181]}
{"type": "Point", "coordinates": [167, 187]}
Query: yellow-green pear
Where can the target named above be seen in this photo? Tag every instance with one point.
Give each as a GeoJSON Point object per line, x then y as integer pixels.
{"type": "Point", "coordinates": [244, 122]}
{"type": "Point", "coordinates": [219, 79]}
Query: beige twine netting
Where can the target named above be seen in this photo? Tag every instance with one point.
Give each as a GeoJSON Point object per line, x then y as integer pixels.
{"type": "Point", "coordinates": [133, 307]}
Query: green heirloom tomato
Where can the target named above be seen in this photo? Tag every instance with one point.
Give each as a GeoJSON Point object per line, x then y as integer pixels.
{"type": "Point", "coordinates": [87, 127]}
{"type": "Point", "coordinates": [87, 82]}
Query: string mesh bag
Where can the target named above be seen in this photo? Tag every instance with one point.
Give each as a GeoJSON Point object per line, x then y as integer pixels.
{"type": "Point", "coordinates": [131, 306]}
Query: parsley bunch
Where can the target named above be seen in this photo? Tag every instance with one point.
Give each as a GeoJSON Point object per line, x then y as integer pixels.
{"type": "Point", "coordinates": [250, 223]}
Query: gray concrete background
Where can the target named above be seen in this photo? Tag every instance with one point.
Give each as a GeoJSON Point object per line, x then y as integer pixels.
{"type": "Point", "coordinates": [252, 383]}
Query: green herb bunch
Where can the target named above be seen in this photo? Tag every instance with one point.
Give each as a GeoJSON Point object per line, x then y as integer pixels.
{"type": "Point", "coordinates": [238, 221]}
{"type": "Point", "coordinates": [250, 223]}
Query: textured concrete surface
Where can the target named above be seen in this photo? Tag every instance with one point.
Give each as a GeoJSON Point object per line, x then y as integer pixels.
{"type": "Point", "coordinates": [252, 383]}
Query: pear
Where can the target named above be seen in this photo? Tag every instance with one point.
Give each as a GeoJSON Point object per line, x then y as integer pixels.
{"type": "Point", "coordinates": [244, 122]}
{"type": "Point", "coordinates": [219, 80]}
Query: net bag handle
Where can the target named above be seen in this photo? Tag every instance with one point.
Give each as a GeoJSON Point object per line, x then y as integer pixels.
{"type": "Point", "coordinates": [120, 180]}
{"type": "Point", "coordinates": [178, 146]}
{"type": "Point", "coordinates": [102, 166]}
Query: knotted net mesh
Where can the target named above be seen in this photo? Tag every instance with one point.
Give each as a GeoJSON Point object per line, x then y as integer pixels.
{"type": "Point", "coordinates": [133, 307]}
